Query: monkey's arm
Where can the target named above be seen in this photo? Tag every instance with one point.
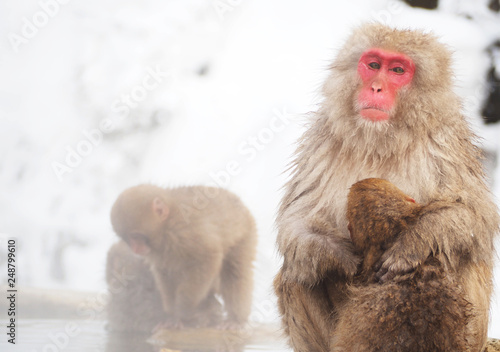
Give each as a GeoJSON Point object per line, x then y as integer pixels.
{"type": "Point", "coordinates": [197, 282]}
{"type": "Point", "coordinates": [311, 252]}
{"type": "Point", "coordinates": [450, 228]}
{"type": "Point", "coordinates": [163, 284]}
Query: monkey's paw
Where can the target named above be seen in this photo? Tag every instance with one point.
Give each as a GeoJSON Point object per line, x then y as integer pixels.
{"type": "Point", "coordinates": [319, 256]}
{"type": "Point", "coordinates": [402, 258]}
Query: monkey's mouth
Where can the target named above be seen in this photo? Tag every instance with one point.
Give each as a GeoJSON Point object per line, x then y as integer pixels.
{"type": "Point", "coordinates": [374, 114]}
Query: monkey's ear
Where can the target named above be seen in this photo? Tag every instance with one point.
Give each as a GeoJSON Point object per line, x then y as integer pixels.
{"type": "Point", "coordinates": [160, 209]}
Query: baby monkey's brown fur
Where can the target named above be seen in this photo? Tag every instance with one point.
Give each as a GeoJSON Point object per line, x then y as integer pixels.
{"type": "Point", "coordinates": [377, 211]}
{"type": "Point", "coordinates": [424, 310]}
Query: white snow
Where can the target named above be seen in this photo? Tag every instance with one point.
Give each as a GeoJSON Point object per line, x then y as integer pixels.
{"type": "Point", "coordinates": [231, 92]}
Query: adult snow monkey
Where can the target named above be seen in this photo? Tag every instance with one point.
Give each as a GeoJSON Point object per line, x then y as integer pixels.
{"type": "Point", "coordinates": [389, 111]}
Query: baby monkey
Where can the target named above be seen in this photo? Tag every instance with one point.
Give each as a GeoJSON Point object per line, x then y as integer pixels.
{"type": "Point", "coordinates": [377, 211]}
{"type": "Point", "coordinates": [199, 244]}
{"type": "Point", "coordinates": [424, 310]}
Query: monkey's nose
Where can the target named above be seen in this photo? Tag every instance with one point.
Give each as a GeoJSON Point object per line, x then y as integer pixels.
{"type": "Point", "coordinates": [376, 87]}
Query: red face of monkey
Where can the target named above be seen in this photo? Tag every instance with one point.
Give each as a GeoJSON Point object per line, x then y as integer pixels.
{"type": "Point", "coordinates": [383, 73]}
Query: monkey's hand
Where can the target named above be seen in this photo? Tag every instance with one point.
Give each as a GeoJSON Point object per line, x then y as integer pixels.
{"type": "Point", "coordinates": [447, 227]}
{"type": "Point", "coordinates": [403, 257]}
{"type": "Point", "coordinates": [309, 257]}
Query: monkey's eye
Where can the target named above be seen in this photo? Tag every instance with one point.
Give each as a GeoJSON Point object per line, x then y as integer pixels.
{"type": "Point", "coordinates": [398, 70]}
{"type": "Point", "coordinates": [374, 65]}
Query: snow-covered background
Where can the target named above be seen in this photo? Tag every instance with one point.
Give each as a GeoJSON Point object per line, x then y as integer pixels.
{"type": "Point", "coordinates": [96, 96]}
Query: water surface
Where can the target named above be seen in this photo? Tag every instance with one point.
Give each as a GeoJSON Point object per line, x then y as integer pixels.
{"type": "Point", "coordinates": [43, 335]}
